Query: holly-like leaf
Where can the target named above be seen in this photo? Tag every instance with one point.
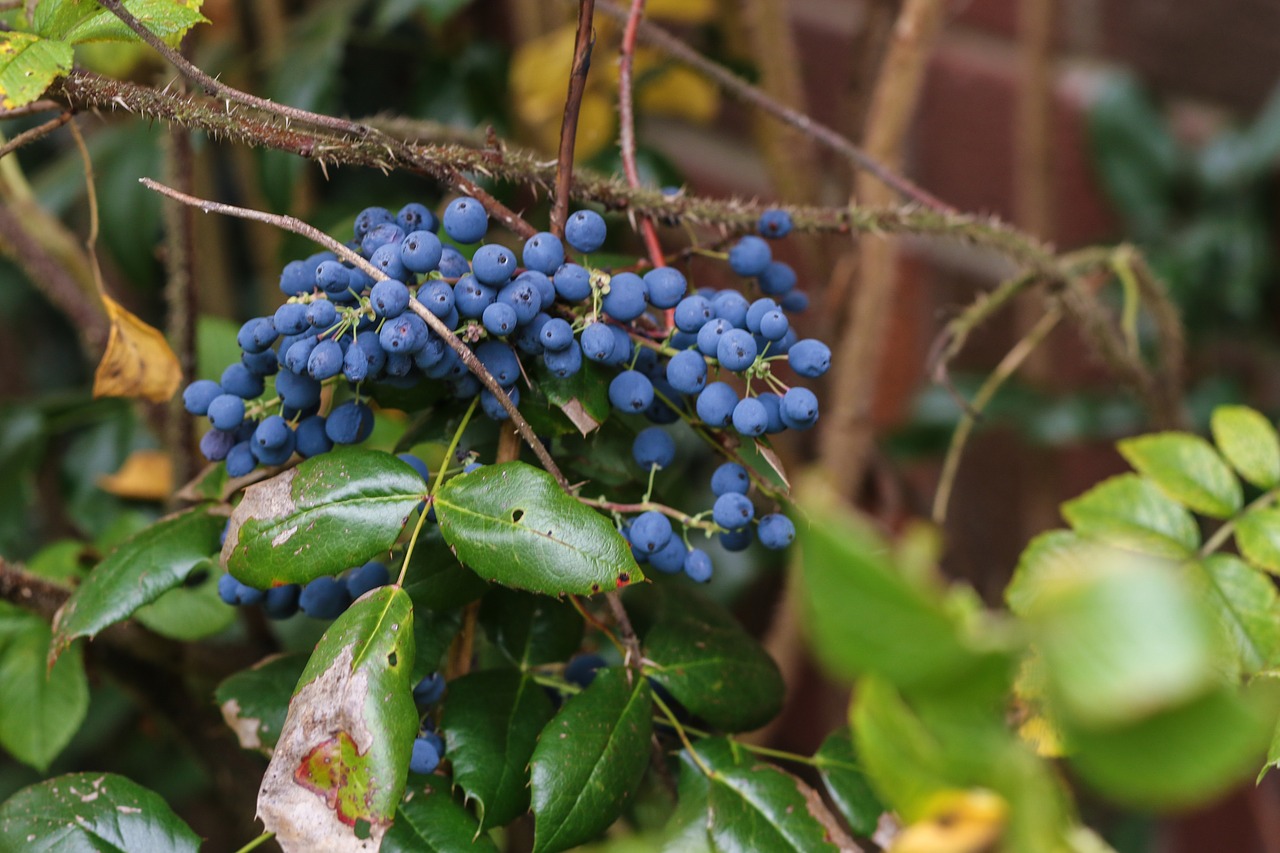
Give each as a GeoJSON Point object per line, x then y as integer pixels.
{"type": "Point", "coordinates": [1258, 537]}
{"type": "Point", "coordinates": [138, 363]}
{"type": "Point", "coordinates": [192, 611]}
{"type": "Point", "coordinates": [1249, 442]}
{"type": "Point", "coordinates": [255, 701]}
{"type": "Point", "coordinates": [491, 724]}
{"type": "Point", "coordinates": [28, 64]}
{"type": "Point", "coordinates": [583, 397]}
{"type": "Point", "coordinates": [1245, 602]}
{"type": "Point", "coordinates": [137, 572]}
{"type": "Point", "coordinates": [1187, 469]}
{"type": "Point", "coordinates": [512, 524]}
{"type": "Point", "coordinates": [326, 515]}
{"type": "Point", "coordinates": [40, 709]}
{"type": "Point", "coordinates": [704, 658]}
{"type": "Point", "coordinates": [92, 811]}
{"type": "Point", "coordinates": [590, 759]}
{"type": "Point", "coordinates": [432, 821]}
{"type": "Point", "coordinates": [754, 805]}
{"type": "Point", "coordinates": [342, 758]}
{"type": "Point", "coordinates": [531, 629]}
{"type": "Point", "coordinates": [1130, 512]}
{"type": "Point", "coordinates": [169, 19]}
{"type": "Point", "coordinates": [837, 761]}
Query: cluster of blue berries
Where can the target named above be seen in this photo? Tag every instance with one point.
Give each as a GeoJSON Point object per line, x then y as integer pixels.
{"type": "Point", "coordinates": [428, 746]}
{"type": "Point", "coordinates": [323, 598]}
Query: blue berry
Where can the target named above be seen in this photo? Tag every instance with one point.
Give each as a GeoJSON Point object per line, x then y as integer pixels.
{"type": "Point", "coordinates": [697, 565]}
{"type": "Point", "coordinates": [626, 297]}
{"type": "Point", "coordinates": [349, 423]}
{"type": "Point", "coordinates": [216, 444]}
{"type": "Point", "coordinates": [773, 409]}
{"type": "Point", "coordinates": [324, 598]}
{"type": "Point", "coordinates": [622, 347]}
{"type": "Point", "coordinates": [500, 360]}
{"type": "Point", "coordinates": [750, 417]}
{"type": "Point", "coordinates": [499, 319]}
{"type": "Point", "coordinates": [774, 224]}
{"type": "Point", "coordinates": [523, 297]}
{"type": "Point", "coordinates": [437, 297]}
{"type": "Point", "coordinates": [429, 690]}
{"type": "Point", "coordinates": [371, 575]}
{"type": "Point", "coordinates": [687, 372]}
{"type": "Point", "coordinates": [776, 531]}
{"type": "Point", "coordinates": [321, 314]}
{"type": "Point", "coordinates": [572, 282]}
{"type": "Point", "coordinates": [383, 234]}
{"type": "Point", "coordinates": [736, 350]}
{"type": "Point", "coordinates": [809, 357]}
{"type": "Point", "coordinates": [493, 264]}
{"type": "Point", "coordinates": [543, 252]}
{"type": "Point", "coordinates": [405, 334]}
{"type": "Point", "coordinates": [256, 335]}
{"type": "Point", "coordinates": [297, 389]}
{"type": "Point", "coordinates": [777, 279]}
{"type": "Point", "coordinates": [774, 325]}
{"type": "Point", "coordinates": [666, 286]}
{"type": "Point", "coordinates": [240, 459]}
{"type": "Point", "coordinates": [277, 454]}
{"type": "Point", "coordinates": [631, 391]}
{"type": "Point", "coordinates": [248, 596]}
{"type": "Point", "coordinates": [693, 312]}
{"type": "Point", "coordinates": [272, 432]}
{"type": "Point", "coordinates": [716, 403]}
{"type": "Point", "coordinates": [556, 335]}
{"type": "Point", "coordinates": [597, 342]}
{"type": "Point", "coordinates": [564, 363]}
{"type": "Point", "coordinates": [228, 588]}
{"type": "Point", "coordinates": [420, 252]}
{"type": "Point", "coordinates": [355, 363]}
{"type": "Point", "coordinates": [311, 438]}
{"type": "Point", "coordinates": [465, 220]}
{"type": "Point", "coordinates": [240, 380]}
{"type": "Point", "coordinates": [750, 256]}
{"type": "Point", "coordinates": [261, 363]}
{"type": "Point", "coordinates": [226, 411]}
{"type": "Point", "coordinates": [325, 360]}
{"type": "Point", "coordinates": [425, 758]}
{"type": "Point", "coordinates": [417, 217]}
{"type": "Point", "coordinates": [650, 531]}
{"type": "Point", "coordinates": [732, 306]}
{"type": "Point", "coordinates": [389, 298]}
{"type": "Point", "coordinates": [756, 312]}
{"type": "Point", "coordinates": [453, 264]}
{"type": "Point", "coordinates": [581, 669]}
{"type": "Point", "coordinates": [281, 602]}
{"type": "Point", "coordinates": [416, 464]}
{"type": "Point", "coordinates": [471, 297]}
{"type": "Point", "coordinates": [795, 301]}
{"type": "Point", "coordinates": [670, 557]}
{"type": "Point", "coordinates": [799, 408]}
{"type": "Point", "coordinates": [736, 540]}
{"type": "Point", "coordinates": [297, 278]}
{"type": "Point", "coordinates": [387, 259]}
{"type": "Point", "coordinates": [492, 407]}
{"type": "Point", "coordinates": [290, 318]}
{"type": "Point", "coordinates": [369, 218]}
{"type": "Point", "coordinates": [332, 277]}
{"type": "Point", "coordinates": [528, 338]}
{"type": "Point", "coordinates": [653, 446]}
{"type": "Point", "coordinates": [585, 231]}
{"type": "Point", "coordinates": [709, 336]}
{"type": "Point", "coordinates": [542, 284]}
{"type": "Point", "coordinates": [197, 396]}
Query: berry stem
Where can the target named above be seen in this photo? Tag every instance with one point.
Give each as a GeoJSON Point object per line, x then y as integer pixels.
{"type": "Point", "coordinates": [453, 445]}
{"type": "Point", "coordinates": [260, 840]}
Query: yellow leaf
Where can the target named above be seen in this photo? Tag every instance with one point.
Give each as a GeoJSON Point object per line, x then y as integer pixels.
{"type": "Point", "coordinates": [956, 822]}
{"type": "Point", "coordinates": [138, 362]}
{"type": "Point", "coordinates": [146, 475]}
{"type": "Point", "coordinates": [674, 90]}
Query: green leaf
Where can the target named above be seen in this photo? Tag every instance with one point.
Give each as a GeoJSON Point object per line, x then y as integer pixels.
{"type": "Point", "coordinates": [590, 759]}
{"type": "Point", "coordinates": [841, 770]}
{"type": "Point", "coordinates": [511, 524]}
{"type": "Point", "coordinates": [433, 633]}
{"type": "Point", "coordinates": [1250, 444]}
{"type": "Point", "coordinates": [1181, 756]}
{"type": "Point", "coordinates": [28, 64]}
{"type": "Point", "coordinates": [326, 515]}
{"type": "Point", "coordinates": [55, 18]}
{"type": "Point", "coordinates": [756, 806]}
{"type": "Point", "coordinates": [436, 580]}
{"type": "Point", "coordinates": [1130, 512]}
{"type": "Point", "coordinates": [92, 811]}
{"type": "Point", "coordinates": [1245, 603]}
{"type": "Point", "coordinates": [40, 709]}
{"type": "Point", "coordinates": [583, 397]}
{"type": "Point", "coordinates": [1187, 469]}
{"type": "Point", "coordinates": [904, 761]}
{"type": "Point", "coordinates": [491, 724]}
{"type": "Point", "coordinates": [189, 612]}
{"type": "Point", "coordinates": [137, 572]}
{"type": "Point", "coordinates": [342, 757]}
{"type": "Point", "coordinates": [169, 19]}
{"type": "Point", "coordinates": [432, 821]}
{"type": "Point", "coordinates": [1258, 537]}
{"type": "Point", "coordinates": [255, 701]}
{"type": "Point", "coordinates": [1055, 553]}
{"type": "Point", "coordinates": [713, 667]}
{"type": "Point", "coordinates": [531, 629]}
{"type": "Point", "coordinates": [687, 830]}
{"type": "Point", "coordinates": [1122, 636]}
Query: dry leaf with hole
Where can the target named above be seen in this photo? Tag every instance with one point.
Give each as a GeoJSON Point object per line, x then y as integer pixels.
{"type": "Point", "coordinates": [146, 475]}
{"type": "Point", "coordinates": [138, 362]}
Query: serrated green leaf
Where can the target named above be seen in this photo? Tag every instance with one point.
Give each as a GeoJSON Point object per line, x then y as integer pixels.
{"type": "Point", "coordinates": [590, 759]}
{"type": "Point", "coordinates": [1245, 603]}
{"type": "Point", "coordinates": [139, 571]}
{"type": "Point", "coordinates": [531, 629]}
{"type": "Point", "coordinates": [1258, 537]}
{"type": "Point", "coordinates": [705, 659]}
{"type": "Point", "coordinates": [432, 821]}
{"type": "Point", "coordinates": [40, 709]}
{"type": "Point", "coordinates": [187, 612]}
{"type": "Point", "coordinates": [168, 19]}
{"type": "Point", "coordinates": [1187, 469]}
{"type": "Point", "coordinates": [255, 701]}
{"type": "Point", "coordinates": [1130, 512]}
{"type": "Point", "coordinates": [342, 757]}
{"type": "Point", "coordinates": [491, 725]}
{"type": "Point", "coordinates": [28, 64]}
{"type": "Point", "coordinates": [754, 805]}
{"type": "Point", "coordinates": [1249, 442]}
{"type": "Point", "coordinates": [91, 811]}
{"type": "Point", "coordinates": [512, 524]}
{"type": "Point", "coordinates": [326, 515]}
{"type": "Point", "coordinates": [837, 761]}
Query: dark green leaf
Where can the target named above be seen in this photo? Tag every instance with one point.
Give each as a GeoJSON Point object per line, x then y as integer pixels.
{"type": "Point", "coordinates": [40, 709]}
{"type": "Point", "coordinates": [513, 525]}
{"type": "Point", "coordinates": [491, 724]}
{"type": "Point", "coordinates": [583, 397]}
{"type": "Point", "coordinates": [432, 821]}
{"type": "Point", "coordinates": [713, 667]}
{"type": "Point", "coordinates": [1245, 603]}
{"type": "Point", "coordinates": [169, 19]}
{"type": "Point", "coordinates": [28, 64]}
{"type": "Point", "coordinates": [1250, 444]}
{"type": "Point", "coordinates": [188, 612]}
{"type": "Point", "coordinates": [342, 757]}
{"type": "Point", "coordinates": [1131, 512]}
{"type": "Point", "coordinates": [757, 806]}
{"type": "Point", "coordinates": [440, 11]}
{"type": "Point", "coordinates": [531, 629]}
{"type": "Point", "coordinates": [138, 572]}
{"type": "Point", "coordinates": [590, 759]}
{"type": "Point", "coordinates": [433, 633]}
{"type": "Point", "coordinates": [687, 831]}
{"type": "Point", "coordinates": [1187, 469]}
{"type": "Point", "coordinates": [326, 515]}
{"type": "Point", "coordinates": [841, 771]}
{"type": "Point", "coordinates": [92, 811]}
{"type": "Point", "coordinates": [255, 701]}
{"type": "Point", "coordinates": [436, 580]}
{"type": "Point", "coordinates": [1258, 537]}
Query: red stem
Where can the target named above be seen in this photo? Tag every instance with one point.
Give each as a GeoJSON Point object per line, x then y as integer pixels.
{"type": "Point", "coordinates": [626, 117]}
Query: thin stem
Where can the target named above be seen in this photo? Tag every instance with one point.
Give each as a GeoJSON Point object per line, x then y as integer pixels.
{"type": "Point", "coordinates": [413, 541]}
{"type": "Point", "coordinates": [680, 733]}
{"type": "Point", "coordinates": [261, 839]}
{"type": "Point", "coordinates": [453, 444]}
{"type": "Point", "coordinates": [42, 106]}
{"type": "Point", "coordinates": [649, 506]}
{"type": "Point", "coordinates": [591, 620]}
{"type": "Point", "coordinates": [626, 633]}
{"type": "Point", "coordinates": [1220, 536]}
{"type": "Point", "coordinates": [583, 43]}
{"type": "Point", "coordinates": [627, 126]}
{"type": "Point", "coordinates": [40, 130]}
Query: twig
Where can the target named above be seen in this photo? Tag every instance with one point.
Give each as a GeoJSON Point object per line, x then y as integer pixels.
{"type": "Point", "coordinates": [735, 85]}
{"type": "Point", "coordinates": [31, 592]}
{"type": "Point", "coordinates": [41, 106]}
{"type": "Point", "coordinates": [627, 126]}
{"type": "Point", "coordinates": [626, 633]}
{"type": "Point", "coordinates": [464, 352]}
{"type": "Point", "coordinates": [583, 43]}
{"type": "Point", "coordinates": [40, 130]}
{"type": "Point", "coordinates": [182, 295]}
{"type": "Point", "coordinates": [222, 90]}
